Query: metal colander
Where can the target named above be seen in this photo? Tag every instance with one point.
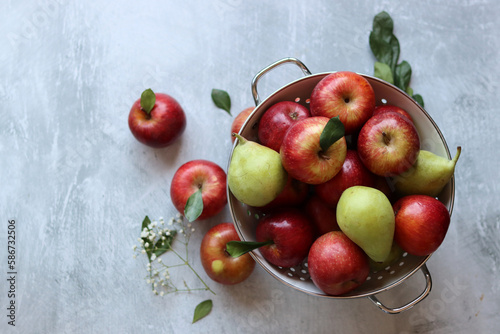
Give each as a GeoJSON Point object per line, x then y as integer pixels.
{"type": "Point", "coordinates": [246, 218]}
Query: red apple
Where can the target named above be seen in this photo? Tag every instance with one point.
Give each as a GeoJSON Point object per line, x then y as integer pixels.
{"type": "Point", "coordinates": [276, 121]}
{"type": "Point", "coordinates": [202, 175]}
{"type": "Point", "coordinates": [239, 120]}
{"type": "Point", "coordinates": [159, 127]}
{"type": "Point", "coordinates": [391, 108]}
{"type": "Point", "coordinates": [302, 156]}
{"type": "Point", "coordinates": [294, 193]}
{"type": "Point", "coordinates": [291, 232]}
{"type": "Point", "coordinates": [344, 94]}
{"type": "Point", "coordinates": [388, 144]}
{"type": "Point", "coordinates": [353, 173]}
{"type": "Point", "coordinates": [322, 216]}
{"type": "Point", "coordinates": [336, 264]}
{"type": "Point", "coordinates": [218, 264]}
{"type": "Point", "coordinates": [421, 224]}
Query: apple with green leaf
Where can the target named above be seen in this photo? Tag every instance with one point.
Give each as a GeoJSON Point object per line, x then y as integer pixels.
{"type": "Point", "coordinates": [314, 149]}
{"type": "Point", "coordinates": [156, 119]}
{"type": "Point", "coordinates": [218, 264]}
{"type": "Point", "coordinates": [198, 189]}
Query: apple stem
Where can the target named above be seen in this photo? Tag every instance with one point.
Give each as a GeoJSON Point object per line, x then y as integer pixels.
{"type": "Point", "coordinates": [240, 138]}
{"type": "Point", "coordinates": [387, 138]}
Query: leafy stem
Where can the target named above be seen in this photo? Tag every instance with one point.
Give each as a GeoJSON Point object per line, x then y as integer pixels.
{"type": "Point", "coordinates": [157, 239]}
{"type": "Point", "coordinates": [385, 47]}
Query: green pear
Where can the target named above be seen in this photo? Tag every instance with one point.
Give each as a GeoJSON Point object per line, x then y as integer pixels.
{"type": "Point", "coordinates": [393, 256]}
{"type": "Point", "coordinates": [255, 175]}
{"type": "Point", "coordinates": [366, 216]}
{"type": "Point", "coordinates": [428, 176]}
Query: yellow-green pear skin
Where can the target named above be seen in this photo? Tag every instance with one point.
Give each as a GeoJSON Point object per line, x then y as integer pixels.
{"type": "Point", "coordinates": [366, 216]}
{"type": "Point", "coordinates": [255, 175]}
{"type": "Point", "coordinates": [394, 255]}
{"type": "Point", "coordinates": [428, 176]}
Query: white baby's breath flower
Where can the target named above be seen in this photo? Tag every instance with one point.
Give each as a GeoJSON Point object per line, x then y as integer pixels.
{"type": "Point", "coordinates": [159, 260]}
{"type": "Point", "coordinates": [144, 234]}
{"type": "Point", "coordinates": [143, 251]}
{"type": "Point", "coordinates": [146, 244]}
{"type": "Point", "coordinates": [134, 247]}
{"type": "Point", "coordinates": [153, 257]}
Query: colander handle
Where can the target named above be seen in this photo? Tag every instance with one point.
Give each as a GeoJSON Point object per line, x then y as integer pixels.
{"type": "Point", "coordinates": [256, 78]}
{"type": "Point", "coordinates": [397, 310]}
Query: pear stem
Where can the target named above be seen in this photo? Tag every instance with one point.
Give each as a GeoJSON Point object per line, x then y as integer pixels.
{"type": "Point", "coordinates": [240, 138]}
{"type": "Point", "coordinates": [457, 155]}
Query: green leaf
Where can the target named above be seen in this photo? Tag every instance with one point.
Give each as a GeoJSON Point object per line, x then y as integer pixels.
{"type": "Point", "coordinates": [194, 206]}
{"type": "Point", "coordinates": [383, 71]}
{"type": "Point", "coordinates": [383, 24]}
{"type": "Point", "coordinates": [409, 91]}
{"type": "Point", "coordinates": [163, 246]}
{"type": "Point", "coordinates": [148, 100]}
{"type": "Point", "coordinates": [239, 248]}
{"type": "Point", "coordinates": [333, 131]}
{"type": "Point", "coordinates": [222, 100]}
{"type": "Point", "coordinates": [383, 43]}
{"type": "Point", "coordinates": [145, 225]}
{"type": "Point", "coordinates": [202, 310]}
{"type": "Point", "coordinates": [419, 99]}
{"type": "Point", "coordinates": [402, 75]}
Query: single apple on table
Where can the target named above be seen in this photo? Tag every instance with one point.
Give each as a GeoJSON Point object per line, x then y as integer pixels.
{"type": "Point", "coordinates": [322, 216]}
{"type": "Point", "coordinates": [352, 173]}
{"type": "Point", "coordinates": [421, 224]}
{"type": "Point", "coordinates": [344, 94]}
{"type": "Point", "coordinates": [302, 155]}
{"type": "Point", "coordinates": [156, 119]}
{"type": "Point", "coordinates": [290, 234]}
{"type": "Point", "coordinates": [380, 109]}
{"type": "Point", "coordinates": [204, 176]}
{"type": "Point", "coordinates": [336, 264]}
{"type": "Point", "coordinates": [276, 121]}
{"type": "Point", "coordinates": [388, 144]}
{"type": "Point", "coordinates": [218, 264]}
{"type": "Point", "coordinates": [239, 120]}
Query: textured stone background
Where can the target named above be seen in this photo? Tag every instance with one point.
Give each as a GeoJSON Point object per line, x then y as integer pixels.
{"type": "Point", "coordinates": [78, 184]}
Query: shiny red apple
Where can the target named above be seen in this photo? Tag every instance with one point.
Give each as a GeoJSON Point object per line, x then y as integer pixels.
{"type": "Point", "coordinates": [380, 109]}
{"type": "Point", "coordinates": [218, 264]}
{"type": "Point", "coordinates": [421, 224]}
{"type": "Point", "coordinates": [388, 144]}
{"type": "Point", "coordinates": [291, 233]}
{"type": "Point", "coordinates": [276, 121]}
{"type": "Point", "coordinates": [239, 120]}
{"type": "Point", "coordinates": [202, 175]}
{"type": "Point", "coordinates": [344, 94]}
{"type": "Point", "coordinates": [352, 173]}
{"type": "Point", "coordinates": [160, 126]}
{"type": "Point", "coordinates": [336, 264]}
{"type": "Point", "coordinates": [302, 156]}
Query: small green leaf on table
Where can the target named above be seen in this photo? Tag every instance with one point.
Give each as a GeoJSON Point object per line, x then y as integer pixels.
{"type": "Point", "coordinates": [202, 310]}
{"type": "Point", "coordinates": [194, 206]}
{"type": "Point", "coordinates": [383, 71]}
{"type": "Point", "coordinates": [148, 100]}
{"type": "Point", "coordinates": [222, 100]}
{"type": "Point", "coordinates": [333, 131]}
